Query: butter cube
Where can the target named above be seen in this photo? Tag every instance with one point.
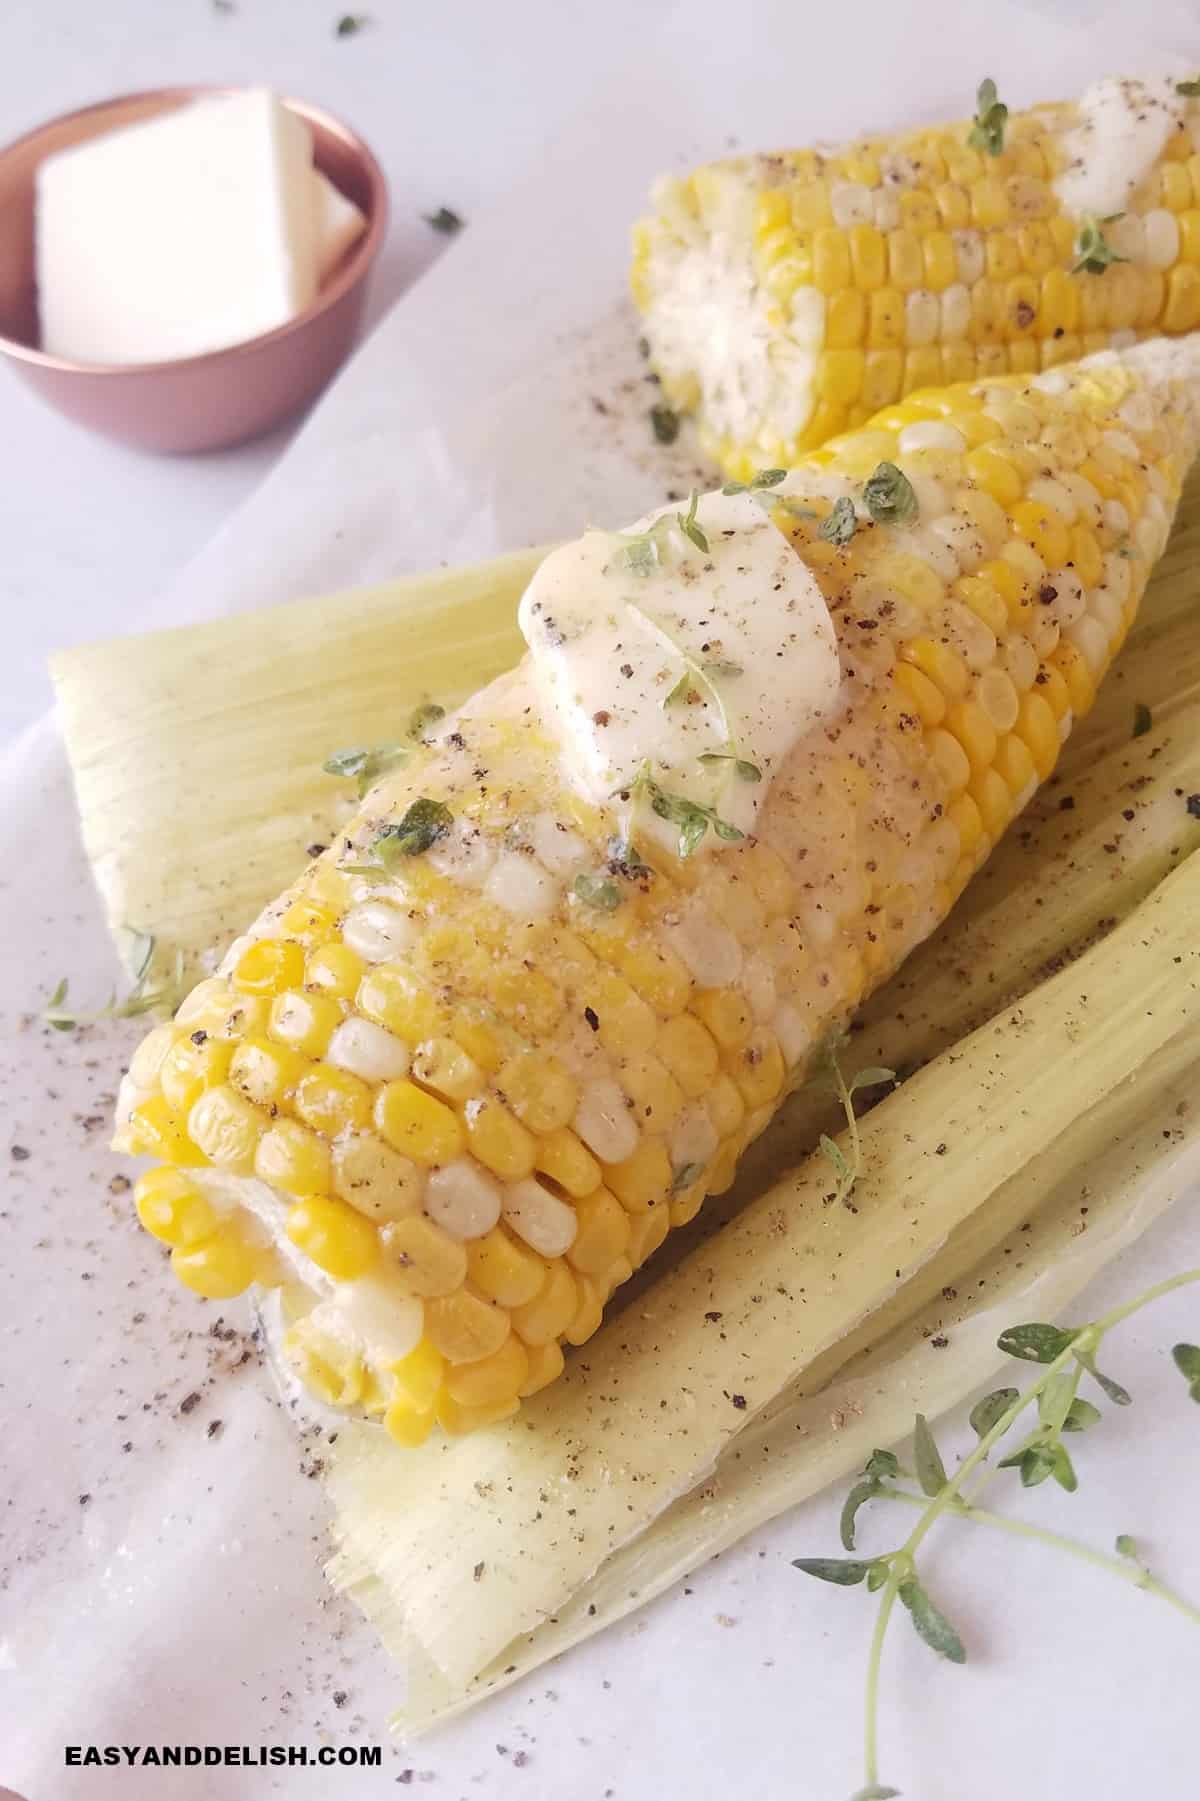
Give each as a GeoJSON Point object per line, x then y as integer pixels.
{"type": "Point", "coordinates": [181, 235]}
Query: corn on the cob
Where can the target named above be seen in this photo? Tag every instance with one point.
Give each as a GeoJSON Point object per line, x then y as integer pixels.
{"type": "Point", "coordinates": [455, 1107]}
{"type": "Point", "coordinates": [788, 297]}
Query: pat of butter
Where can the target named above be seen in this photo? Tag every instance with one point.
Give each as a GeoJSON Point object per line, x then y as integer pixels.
{"type": "Point", "coordinates": [184, 234]}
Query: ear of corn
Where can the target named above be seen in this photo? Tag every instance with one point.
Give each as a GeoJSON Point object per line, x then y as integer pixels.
{"type": "Point", "coordinates": [846, 279]}
{"type": "Point", "coordinates": [459, 1142]}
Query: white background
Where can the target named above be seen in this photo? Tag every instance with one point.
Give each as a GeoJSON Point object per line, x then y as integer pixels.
{"type": "Point", "coordinates": [750, 1684]}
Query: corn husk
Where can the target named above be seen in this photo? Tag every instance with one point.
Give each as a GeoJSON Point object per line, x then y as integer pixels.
{"type": "Point", "coordinates": [197, 756]}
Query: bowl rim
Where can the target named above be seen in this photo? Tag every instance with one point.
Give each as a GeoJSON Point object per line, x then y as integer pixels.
{"type": "Point", "coordinates": [361, 256]}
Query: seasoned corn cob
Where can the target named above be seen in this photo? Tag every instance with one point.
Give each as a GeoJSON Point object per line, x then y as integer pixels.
{"type": "Point", "coordinates": [790, 296]}
{"type": "Point", "coordinates": [453, 1102]}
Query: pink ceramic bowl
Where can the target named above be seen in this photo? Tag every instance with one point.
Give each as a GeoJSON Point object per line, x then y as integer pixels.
{"type": "Point", "coordinates": [201, 402]}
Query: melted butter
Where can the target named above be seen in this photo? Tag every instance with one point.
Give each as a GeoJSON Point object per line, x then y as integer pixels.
{"type": "Point", "coordinates": [700, 654]}
{"type": "Point", "coordinates": [1122, 130]}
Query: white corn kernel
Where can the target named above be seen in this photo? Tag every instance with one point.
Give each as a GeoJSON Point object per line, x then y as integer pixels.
{"type": "Point", "coordinates": [375, 931]}
{"type": "Point", "coordinates": [694, 1138]}
{"type": "Point", "coordinates": [808, 318]}
{"type": "Point", "coordinates": [556, 845]}
{"type": "Point", "coordinates": [968, 250]}
{"type": "Point", "coordinates": [547, 1224]}
{"type": "Point", "coordinates": [930, 434]}
{"type": "Point", "coordinates": [1092, 641]}
{"type": "Point", "coordinates": [792, 1032]}
{"type": "Point", "coordinates": [1021, 660]}
{"type": "Point", "coordinates": [1160, 235]}
{"type": "Point", "coordinates": [462, 1200]}
{"type": "Point", "coordinates": [710, 951]}
{"type": "Point", "coordinates": [922, 313]}
{"type": "Point", "coordinates": [998, 697]}
{"type": "Point", "coordinates": [521, 886]}
{"type": "Point", "coordinates": [368, 1050]}
{"type": "Point", "coordinates": [604, 1122]}
{"type": "Point", "coordinates": [378, 1313]}
{"type": "Point", "coordinates": [1049, 493]}
{"type": "Point", "coordinates": [851, 204]}
{"type": "Point", "coordinates": [1068, 603]}
{"type": "Point", "coordinates": [956, 312]}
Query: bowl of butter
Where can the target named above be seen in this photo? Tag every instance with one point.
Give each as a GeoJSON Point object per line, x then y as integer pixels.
{"type": "Point", "coordinates": [185, 269]}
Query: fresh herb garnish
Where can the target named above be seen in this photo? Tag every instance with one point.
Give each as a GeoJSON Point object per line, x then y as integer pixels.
{"type": "Point", "coordinates": [350, 24]}
{"type": "Point", "coordinates": [423, 718]}
{"type": "Point", "coordinates": [742, 767]}
{"type": "Point", "coordinates": [840, 524]}
{"type": "Point", "coordinates": [991, 117]}
{"type": "Point", "coordinates": [1065, 1353]}
{"type": "Point", "coordinates": [847, 1169]}
{"type": "Point", "coordinates": [684, 1176]}
{"type": "Point", "coordinates": [1143, 719]}
{"type": "Point", "coordinates": [1189, 89]}
{"type": "Point", "coordinates": [445, 220]}
{"type": "Point", "coordinates": [1093, 251]}
{"type": "Point", "coordinates": [664, 422]}
{"type": "Point", "coordinates": [888, 496]}
{"type": "Point", "coordinates": [598, 892]}
{"type": "Point", "coordinates": [365, 765]}
{"type": "Point", "coordinates": [688, 525]}
{"type": "Point", "coordinates": [418, 831]}
{"type": "Point", "coordinates": [148, 993]}
{"type": "Point", "coordinates": [765, 479]}
{"type": "Point", "coordinates": [692, 819]}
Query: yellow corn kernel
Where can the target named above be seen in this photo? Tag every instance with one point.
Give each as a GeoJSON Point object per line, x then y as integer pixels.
{"type": "Point", "coordinates": [919, 695]}
{"type": "Point", "coordinates": [968, 722]}
{"type": "Point", "coordinates": [845, 320]}
{"type": "Point", "coordinates": [483, 1040]}
{"type": "Point", "coordinates": [1014, 764]}
{"type": "Point", "coordinates": [726, 1014]}
{"type": "Point", "coordinates": [989, 204]}
{"type": "Point", "coordinates": [840, 376]}
{"type": "Point", "coordinates": [189, 1068]}
{"type": "Point", "coordinates": [306, 1022]}
{"type": "Point", "coordinates": [769, 877]}
{"type": "Point", "coordinates": [1053, 690]}
{"type": "Point", "coordinates": [831, 260]}
{"type": "Point", "coordinates": [990, 793]}
{"type": "Point", "coordinates": [828, 418]}
{"type": "Point", "coordinates": [375, 1178]}
{"type": "Point", "coordinates": [643, 1179]}
{"type": "Point", "coordinates": [265, 1072]}
{"type": "Point", "coordinates": [308, 923]}
{"type": "Point", "coordinates": [1043, 529]}
{"type": "Point", "coordinates": [958, 362]}
{"type": "Point", "coordinates": [922, 368]}
{"type": "Point", "coordinates": [965, 817]}
{"type": "Point", "coordinates": [939, 261]}
{"type": "Point", "coordinates": [392, 996]}
{"type": "Point", "coordinates": [456, 1420]}
{"type": "Point", "coordinates": [885, 319]}
{"type": "Point", "coordinates": [883, 379]}
{"type": "Point", "coordinates": [1189, 236]}
{"type": "Point", "coordinates": [758, 1069]}
{"type": "Point", "coordinates": [338, 1240]}
{"type": "Point", "coordinates": [152, 1130]}
{"type": "Point", "coordinates": [949, 759]}
{"type": "Point", "coordinates": [646, 1233]}
{"type": "Point", "coordinates": [953, 206]}
{"type": "Point", "coordinates": [503, 1269]}
{"type": "Point", "coordinates": [550, 1312]}
{"type": "Point", "coordinates": [416, 1124]}
{"type": "Point", "coordinates": [218, 1267]}
{"type": "Point", "coordinates": [428, 1261]}
{"type": "Point", "coordinates": [1058, 305]}
{"type": "Point", "coordinates": [464, 1327]}
{"type": "Point", "coordinates": [589, 1311]}
{"type": "Point", "coordinates": [268, 966]}
{"type": "Point", "coordinates": [626, 1022]}
{"type": "Point", "coordinates": [408, 1425]}
{"type": "Point", "coordinates": [684, 1207]}
{"type": "Point", "coordinates": [944, 667]}
{"type": "Point", "coordinates": [329, 1370]}
{"type": "Point", "coordinates": [984, 602]}
{"type": "Point", "coordinates": [442, 1065]}
{"type": "Point", "coordinates": [227, 1128]}
{"type": "Point", "coordinates": [419, 1376]}
{"type": "Point", "coordinates": [1035, 244]}
{"type": "Point", "coordinates": [688, 1051]}
{"type": "Point", "coordinates": [725, 1105]}
{"type": "Point", "coordinates": [566, 1160]}
{"type": "Point", "coordinates": [147, 1059]}
{"type": "Point", "coordinates": [919, 212]}
{"type": "Point", "coordinates": [868, 257]}
{"type": "Point", "coordinates": [173, 1209]}
{"type": "Point", "coordinates": [656, 973]}
{"type": "Point", "coordinates": [526, 997]}
{"type": "Point", "coordinates": [772, 208]}
{"type": "Point", "coordinates": [723, 1168]}
{"type": "Point", "coordinates": [602, 1233]}
{"type": "Point", "coordinates": [1038, 730]}
{"type": "Point", "coordinates": [499, 1376]}
{"type": "Point", "coordinates": [540, 1091]}
{"type": "Point", "coordinates": [1181, 311]}
{"type": "Point", "coordinates": [499, 1140]}
{"type": "Point", "coordinates": [657, 1096]}
{"type": "Point", "coordinates": [1086, 558]}
{"type": "Point", "coordinates": [906, 266]}
{"type": "Point", "coordinates": [291, 1157]}
{"type": "Point", "coordinates": [912, 579]}
{"type": "Point", "coordinates": [1174, 180]}
{"type": "Point", "coordinates": [334, 970]}
{"type": "Point", "coordinates": [332, 1100]}
{"type": "Point", "coordinates": [1072, 665]}
{"type": "Point", "coordinates": [545, 1365]}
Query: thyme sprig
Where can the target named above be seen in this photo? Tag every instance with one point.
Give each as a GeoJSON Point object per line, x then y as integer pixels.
{"type": "Point", "coordinates": [150, 992]}
{"type": "Point", "coordinates": [1066, 1354]}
